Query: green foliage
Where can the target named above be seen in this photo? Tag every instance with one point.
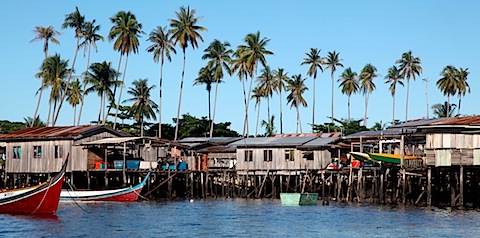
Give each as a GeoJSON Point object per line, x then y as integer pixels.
{"type": "Point", "coordinates": [345, 127]}
{"type": "Point", "coordinates": [190, 126]}
{"type": "Point", "coordinates": [7, 126]}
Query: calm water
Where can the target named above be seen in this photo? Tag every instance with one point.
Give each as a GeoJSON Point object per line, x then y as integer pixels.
{"type": "Point", "coordinates": [240, 218]}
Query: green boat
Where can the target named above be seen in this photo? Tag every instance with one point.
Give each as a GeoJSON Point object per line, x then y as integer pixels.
{"type": "Point", "coordinates": [298, 199]}
{"type": "Point", "coordinates": [392, 158]}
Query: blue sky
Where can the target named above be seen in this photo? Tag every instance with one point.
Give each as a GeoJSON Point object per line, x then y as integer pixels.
{"type": "Point", "coordinates": [441, 33]}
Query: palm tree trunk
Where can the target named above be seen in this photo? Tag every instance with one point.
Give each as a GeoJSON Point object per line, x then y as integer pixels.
{"type": "Point", "coordinates": [49, 112]}
{"type": "Point", "coordinates": [214, 108]}
{"type": "Point", "coordinates": [348, 109]}
{"type": "Point", "coordinates": [120, 94]}
{"type": "Point", "coordinates": [246, 111]}
{"type": "Point", "coordinates": [160, 101]}
{"type": "Point", "coordinates": [68, 83]}
{"type": "Point", "coordinates": [406, 104]}
{"type": "Point", "coordinates": [84, 87]}
{"type": "Point", "coordinates": [209, 103]}
{"type": "Point", "coordinates": [393, 110]}
{"type": "Point", "coordinates": [74, 114]}
{"type": "Point", "coordinates": [38, 105]}
{"type": "Point", "coordinates": [104, 105]}
{"type": "Point", "coordinates": [248, 104]}
{"type": "Point", "coordinates": [313, 105]}
{"type": "Point", "coordinates": [115, 86]}
{"type": "Point", "coordinates": [180, 96]}
{"type": "Point", "coordinates": [459, 103]}
{"type": "Point", "coordinates": [100, 115]}
{"type": "Point", "coordinates": [281, 120]}
{"type": "Point", "coordinates": [333, 84]}
{"type": "Point", "coordinates": [258, 116]}
{"type": "Point", "coordinates": [141, 129]}
{"type": "Point", "coordinates": [268, 107]}
{"type": "Point", "coordinates": [448, 105]}
{"type": "Point", "coordinates": [366, 110]}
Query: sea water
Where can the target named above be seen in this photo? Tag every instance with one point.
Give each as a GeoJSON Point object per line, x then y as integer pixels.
{"type": "Point", "coordinates": [241, 218]}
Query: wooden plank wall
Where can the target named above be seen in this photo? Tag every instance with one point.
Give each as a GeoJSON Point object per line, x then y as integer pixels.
{"type": "Point", "coordinates": [459, 147]}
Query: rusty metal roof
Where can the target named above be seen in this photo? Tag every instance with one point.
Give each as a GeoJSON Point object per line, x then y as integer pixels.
{"type": "Point", "coordinates": [464, 121]}
{"type": "Point", "coordinates": [42, 133]}
{"type": "Point", "coordinates": [322, 135]}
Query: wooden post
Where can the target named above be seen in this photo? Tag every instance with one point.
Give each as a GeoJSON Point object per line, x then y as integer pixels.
{"type": "Point", "coordinates": [452, 188]}
{"type": "Point", "coordinates": [460, 201]}
{"type": "Point", "coordinates": [402, 156]}
{"type": "Point", "coordinates": [429, 187]}
{"type": "Point", "coordinates": [124, 162]}
{"type": "Point", "coordinates": [382, 189]}
{"type": "Point", "coordinates": [339, 186]}
{"type": "Point", "coordinates": [323, 185]}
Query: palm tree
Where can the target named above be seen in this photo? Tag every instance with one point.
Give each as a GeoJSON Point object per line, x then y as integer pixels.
{"type": "Point", "coordinates": [463, 87]}
{"type": "Point", "coordinates": [250, 55]}
{"type": "Point", "coordinates": [349, 84]}
{"type": "Point", "coordinates": [102, 77]}
{"type": "Point", "coordinates": [76, 21]}
{"type": "Point", "coordinates": [296, 87]}
{"type": "Point", "coordinates": [315, 61]}
{"type": "Point", "coordinates": [185, 31]}
{"type": "Point", "coordinates": [53, 73]}
{"type": "Point", "coordinates": [280, 78]}
{"type": "Point", "coordinates": [266, 84]}
{"type": "Point", "coordinates": [239, 65]}
{"type": "Point", "coordinates": [126, 31]}
{"type": "Point", "coordinates": [74, 96]}
{"type": "Point", "coordinates": [369, 72]}
{"type": "Point", "coordinates": [90, 37]}
{"type": "Point", "coordinates": [332, 61]}
{"type": "Point", "coordinates": [36, 123]}
{"type": "Point", "coordinates": [219, 55]}
{"type": "Point", "coordinates": [448, 84]}
{"type": "Point", "coordinates": [143, 106]}
{"type": "Point", "coordinates": [443, 110]}
{"type": "Point", "coordinates": [426, 95]}
{"type": "Point", "coordinates": [393, 78]}
{"type": "Point", "coordinates": [269, 126]}
{"type": "Point", "coordinates": [161, 47]}
{"type": "Point", "coordinates": [46, 34]}
{"type": "Point", "coordinates": [257, 94]}
{"type": "Point", "coordinates": [409, 67]}
{"type": "Point", "coordinates": [205, 76]}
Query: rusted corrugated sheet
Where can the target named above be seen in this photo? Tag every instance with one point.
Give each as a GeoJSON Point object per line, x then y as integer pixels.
{"type": "Point", "coordinates": [467, 121]}
{"type": "Point", "coordinates": [33, 133]}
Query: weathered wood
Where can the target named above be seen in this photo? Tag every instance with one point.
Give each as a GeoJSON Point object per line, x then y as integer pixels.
{"type": "Point", "coordinates": [429, 187]}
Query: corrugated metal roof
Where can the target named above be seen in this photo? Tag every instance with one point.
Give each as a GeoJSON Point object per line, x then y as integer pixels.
{"type": "Point", "coordinates": [115, 140]}
{"type": "Point", "coordinates": [389, 132]}
{"type": "Point", "coordinates": [465, 121]}
{"type": "Point", "coordinates": [217, 140]}
{"type": "Point", "coordinates": [324, 135]}
{"type": "Point", "coordinates": [318, 142]}
{"type": "Point", "coordinates": [417, 122]}
{"type": "Point", "coordinates": [273, 141]}
{"type": "Point", "coordinates": [34, 133]}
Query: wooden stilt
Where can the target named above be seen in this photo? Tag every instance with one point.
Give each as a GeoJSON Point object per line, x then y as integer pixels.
{"type": "Point", "coordinates": [460, 201]}
{"type": "Point", "coordinates": [429, 186]}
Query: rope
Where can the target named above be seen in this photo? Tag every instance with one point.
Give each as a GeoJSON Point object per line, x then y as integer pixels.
{"type": "Point", "coordinates": [135, 191]}
{"type": "Point", "coordinates": [76, 203]}
{"type": "Point", "coordinates": [45, 195]}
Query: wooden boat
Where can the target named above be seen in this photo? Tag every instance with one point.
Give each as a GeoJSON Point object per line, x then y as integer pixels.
{"type": "Point", "coordinates": [297, 199]}
{"type": "Point", "coordinates": [39, 199]}
{"type": "Point", "coordinates": [392, 158]}
{"type": "Point", "coordinates": [129, 194]}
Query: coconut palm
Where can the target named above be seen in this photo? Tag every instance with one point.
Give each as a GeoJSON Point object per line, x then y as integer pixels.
{"type": "Point", "coordinates": [74, 96]}
{"type": "Point", "coordinates": [239, 65]}
{"type": "Point", "coordinates": [266, 84]}
{"type": "Point", "coordinates": [125, 31]}
{"type": "Point", "coordinates": [90, 38]}
{"type": "Point", "coordinates": [315, 62]}
{"type": "Point", "coordinates": [185, 31]}
{"type": "Point", "coordinates": [219, 56]}
{"type": "Point", "coordinates": [443, 110]}
{"type": "Point", "coordinates": [53, 73]}
{"type": "Point", "coordinates": [269, 126]}
{"type": "Point", "coordinates": [280, 79]}
{"type": "Point", "coordinates": [257, 94]}
{"type": "Point", "coordinates": [409, 67]}
{"type": "Point", "coordinates": [463, 87]}
{"type": "Point", "coordinates": [296, 87]}
{"type": "Point", "coordinates": [143, 106]}
{"type": "Point", "coordinates": [393, 78]}
{"type": "Point", "coordinates": [252, 54]}
{"type": "Point", "coordinates": [205, 76]}
{"type": "Point", "coordinates": [102, 78]}
{"type": "Point", "coordinates": [332, 61]}
{"type": "Point", "coordinates": [161, 47]}
{"type": "Point", "coordinates": [369, 72]}
{"type": "Point", "coordinates": [448, 84]}
{"type": "Point", "coordinates": [76, 21]}
{"type": "Point", "coordinates": [426, 95]}
{"type": "Point", "coordinates": [46, 34]}
{"type": "Point", "coordinates": [349, 84]}
{"type": "Point", "coordinates": [36, 123]}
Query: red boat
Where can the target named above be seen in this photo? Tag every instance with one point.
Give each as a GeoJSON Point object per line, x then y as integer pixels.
{"type": "Point", "coordinates": [39, 199]}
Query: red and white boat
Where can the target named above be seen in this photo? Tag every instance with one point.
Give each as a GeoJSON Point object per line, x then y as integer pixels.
{"type": "Point", "coordinates": [39, 199]}
{"type": "Point", "coordinates": [129, 194]}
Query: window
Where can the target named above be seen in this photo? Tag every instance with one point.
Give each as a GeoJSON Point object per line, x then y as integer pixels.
{"type": "Point", "coordinates": [289, 155]}
{"type": "Point", "coordinates": [37, 151]}
{"type": "Point", "coordinates": [248, 155]}
{"type": "Point", "coordinates": [17, 152]}
{"type": "Point", "coordinates": [267, 155]}
{"type": "Point", "coordinates": [58, 152]}
{"type": "Point", "coordinates": [308, 155]}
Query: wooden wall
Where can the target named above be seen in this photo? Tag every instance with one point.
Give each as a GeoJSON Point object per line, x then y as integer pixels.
{"type": "Point", "coordinates": [452, 149]}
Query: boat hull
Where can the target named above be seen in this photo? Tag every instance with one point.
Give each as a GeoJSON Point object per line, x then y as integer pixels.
{"type": "Point", "coordinates": [129, 194]}
{"type": "Point", "coordinates": [298, 199]}
{"type": "Point", "coordinates": [40, 199]}
{"type": "Point", "coordinates": [391, 158]}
